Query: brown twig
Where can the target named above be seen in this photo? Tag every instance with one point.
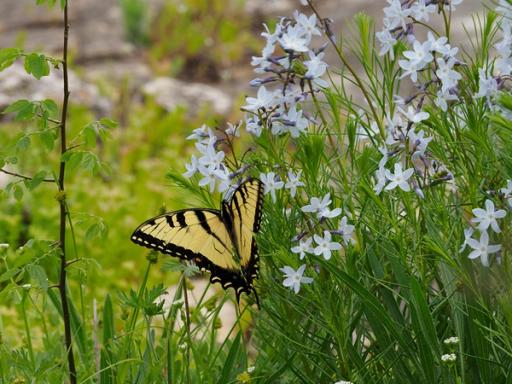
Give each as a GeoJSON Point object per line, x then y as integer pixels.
{"type": "Point", "coordinates": [62, 203]}
{"type": "Point", "coordinates": [24, 177]}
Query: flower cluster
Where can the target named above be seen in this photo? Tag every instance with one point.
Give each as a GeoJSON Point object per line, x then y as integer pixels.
{"type": "Point", "coordinates": [409, 145]}
{"type": "Point", "coordinates": [210, 165]}
{"type": "Point", "coordinates": [272, 183]}
{"type": "Point", "coordinates": [404, 140]}
{"type": "Point", "coordinates": [398, 24]}
{"type": "Point", "coordinates": [294, 68]}
{"type": "Point", "coordinates": [483, 220]}
{"type": "Point", "coordinates": [451, 341]}
{"type": "Point", "coordinates": [489, 85]}
{"type": "Point", "coordinates": [322, 244]}
{"type": "Point", "coordinates": [449, 358]}
{"type": "Point", "coordinates": [291, 71]}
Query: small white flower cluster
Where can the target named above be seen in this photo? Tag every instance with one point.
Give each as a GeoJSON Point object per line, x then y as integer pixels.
{"type": "Point", "coordinates": [282, 58]}
{"type": "Point", "coordinates": [399, 18]}
{"type": "Point", "coordinates": [272, 183]}
{"type": "Point", "coordinates": [449, 358]}
{"type": "Point", "coordinates": [323, 244]}
{"type": "Point", "coordinates": [403, 140]}
{"type": "Point", "coordinates": [454, 340]}
{"type": "Point", "coordinates": [409, 145]}
{"type": "Point", "coordinates": [483, 219]}
{"type": "Point", "coordinates": [489, 85]}
{"type": "Point", "coordinates": [210, 165]}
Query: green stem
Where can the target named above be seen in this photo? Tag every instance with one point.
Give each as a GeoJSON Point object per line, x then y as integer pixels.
{"type": "Point", "coordinates": [135, 313]}
{"type": "Point", "coordinates": [133, 319]}
{"type": "Point", "coordinates": [27, 329]}
{"type": "Point", "coordinates": [187, 318]}
{"type": "Point", "coordinates": [344, 61]}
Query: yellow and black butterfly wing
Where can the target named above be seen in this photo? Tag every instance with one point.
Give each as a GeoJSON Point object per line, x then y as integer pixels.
{"type": "Point", "coordinates": [245, 208]}
{"type": "Point", "coordinates": [199, 235]}
{"type": "Point", "coordinates": [221, 242]}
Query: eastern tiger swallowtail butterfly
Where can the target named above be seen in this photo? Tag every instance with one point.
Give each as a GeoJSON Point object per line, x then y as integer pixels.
{"type": "Point", "coordinates": [219, 241]}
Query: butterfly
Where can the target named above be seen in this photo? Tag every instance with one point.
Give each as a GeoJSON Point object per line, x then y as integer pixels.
{"type": "Point", "coordinates": [218, 241]}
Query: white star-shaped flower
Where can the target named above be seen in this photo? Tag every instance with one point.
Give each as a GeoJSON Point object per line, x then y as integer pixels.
{"type": "Point", "coordinates": [346, 231]}
{"type": "Point", "coordinates": [449, 78]}
{"type": "Point", "coordinates": [295, 39]}
{"type": "Point", "coordinates": [421, 11]}
{"type": "Point", "coordinates": [211, 176]}
{"type": "Point", "coordinates": [293, 182]}
{"type": "Point", "coordinates": [294, 278]}
{"type": "Point", "coordinates": [487, 217]}
{"type": "Point", "coordinates": [271, 184]}
{"type": "Point", "coordinates": [482, 249]}
{"type": "Point", "coordinates": [395, 15]}
{"type": "Point", "coordinates": [420, 55]}
{"type": "Point", "coordinates": [308, 24]}
{"type": "Point", "coordinates": [325, 246]}
{"type": "Point", "coordinates": [303, 247]}
{"type": "Point", "coordinates": [387, 43]}
{"type": "Point", "coordinates": [264, 99]}
{"type": "Point", "coordinates": [399, 178]}
{"type": "Point", "coordinates": [487, 85]}
{"type": "Point", "coordinates": [418, 142]}
{"type": "Point", "coordinates": [315, 66]}
{"type": "Point", "coordinates": [321, 207]}
{"type": "Point", "coordinates": [191, 168]}
{"type": "Point", "coordinates": [468, 233]}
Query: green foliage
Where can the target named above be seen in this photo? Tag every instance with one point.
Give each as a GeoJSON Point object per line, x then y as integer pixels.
{"type": "Point", "coordinates": [198, 38]}
{"type": "Point", "coordinates": [136, 21]}
{"type": "Point", "coordinates": [37, 65]}
{"type": "Point", "coordinates": [51, 3]}
{"type": "Point", "coordinates": [8, 56]}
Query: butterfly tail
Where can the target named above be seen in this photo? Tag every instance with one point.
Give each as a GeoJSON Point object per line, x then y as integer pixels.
{"type": "Point", "coordinates": [256, 297]}
{"type": "Point", "coordinates": [252, 289]}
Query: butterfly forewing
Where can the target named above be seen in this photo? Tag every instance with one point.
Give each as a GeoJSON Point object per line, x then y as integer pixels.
{"type": "Point", "coordinates": [189, 234]}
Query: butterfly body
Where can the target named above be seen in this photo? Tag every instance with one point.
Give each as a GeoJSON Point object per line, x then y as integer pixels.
{"type": "Point", "coordinates": [218, 241]}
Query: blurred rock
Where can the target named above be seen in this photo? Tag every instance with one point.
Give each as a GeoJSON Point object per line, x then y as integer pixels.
{"type": "Point", "coordinates": [171, 93]}
{"type": "Point", "coordinates": [97, 29]}
{"type": "Point", "coordinates": [16, 84]}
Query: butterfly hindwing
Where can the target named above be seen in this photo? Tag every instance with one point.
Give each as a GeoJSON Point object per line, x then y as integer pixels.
{"type": "Point", "coordinates": [246, 208]}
